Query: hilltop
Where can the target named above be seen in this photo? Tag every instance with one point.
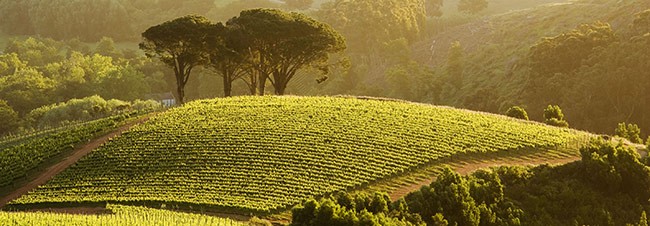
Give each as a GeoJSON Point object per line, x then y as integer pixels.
{"type": "Point", "coordinates": [265, 154]}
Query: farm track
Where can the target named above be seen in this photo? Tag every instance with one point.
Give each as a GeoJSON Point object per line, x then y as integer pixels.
{"type": "Point", "coordinates": [57, 168]}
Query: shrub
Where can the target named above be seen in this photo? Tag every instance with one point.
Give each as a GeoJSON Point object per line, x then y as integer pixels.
{"type": "Point", "coordinates": [517, 112]}
{"type": "Point", "coordinates": [9, 120]}
{"type": "Point", "coordinates": [553, 116]}
{"type": "Point", "coordinates": [630, 131]}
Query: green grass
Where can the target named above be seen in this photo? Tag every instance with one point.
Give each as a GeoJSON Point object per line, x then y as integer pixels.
{"type": "Point", "coordinates": [265, 154]}
{"type": "Point", "coordinates": [122, 215]}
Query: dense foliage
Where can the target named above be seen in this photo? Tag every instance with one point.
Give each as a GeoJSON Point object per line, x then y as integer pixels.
{"type": "Point", "coordinates": [261, 154]}
{"type": "Point", "coordinates": [517, 112]}
{"type": "Point", "coordinates": [35, 73]}
{"type": "Point", "coordinates": [553, 116]}
{"type": "Point", "coordinates": [609, 186]}
{"type": "Point", "coordinates": [121, 215]}
{"type": "Point", "coordinates": [85, 109]}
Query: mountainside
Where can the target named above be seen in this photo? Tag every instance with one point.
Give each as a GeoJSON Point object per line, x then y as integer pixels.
{"type": "Point", "coordinates": [262, 154]}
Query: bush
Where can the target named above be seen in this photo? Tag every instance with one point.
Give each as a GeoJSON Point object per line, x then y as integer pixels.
{"type": "Point", "coordinates": [630, 131]}
{"type": "Point", "coordinates": [517, 112]}
{"type": "Point", "coordinates": [9, 120]}
{"type": "Point", "coordinates": [553, 116]}
{"type": "Point", "coordinates": [84, 109]}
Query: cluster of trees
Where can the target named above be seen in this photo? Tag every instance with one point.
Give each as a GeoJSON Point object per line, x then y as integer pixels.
{"type": "Point", "coordinates": [37, 72]}
{"type": "Point", "coordinates": [84, 109]}
{"type": "Point", "coordinates": [259, 46]}
{"type": "Point", "coordinates": [610, 185]}
{"type": "Point", "coordinates": [343, 208]}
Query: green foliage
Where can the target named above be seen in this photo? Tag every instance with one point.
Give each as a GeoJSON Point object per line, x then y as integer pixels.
{"type": "Point", "coordinates": [261, 141]}
{"type": "Point", "coordinates": [26, 89]}
{"type": "Point", "coordinates": [106, 47]}
{"type": "Point", "coordinates": [472, 6]}
{"type": "Point", "coordinates": [122, 215]}
{"type": "Point", "coordinates": [517, 112]}
{"type": "Point", "coordinates": [328, 211]}
{"type": "Point", "coordinates": [10, 64]}
{"type": "Point", "coordinates": [630, 131]}
{"type": "Point", "coordinates": [474, 200]}
{"type": "Point", "coordinates": [9, 120]}
{"type": "Point", "coordinates": [306, 42]}
{"type": "Point", "coordinates": [564, 53]}
{"type": "Point", "coordinates": [85, 109]}
{"type": "Point", "coordinates": [180, 44]}
{"type": "Point", "coordinates": [455, 64]}
{"type": "Point", "coordinates": [615, 168]}
{"type": "Point", "coordinates": [380, 21]}
{"type": "Point", "coordinates": [553, 116]}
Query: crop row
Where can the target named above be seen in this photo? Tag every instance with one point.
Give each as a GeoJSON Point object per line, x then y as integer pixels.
{"type": "Point", "coordinates": [18, 159]}
{"type": "Point", "coordinates": [122, 215]}
{"type": "Point", "coordinates": [268, 153]}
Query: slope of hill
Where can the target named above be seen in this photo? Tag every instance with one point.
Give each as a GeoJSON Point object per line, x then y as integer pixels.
{"type": "Point", "coordinates": [496, 56]}
{"type": "Point", "coordinates": [262, 154]}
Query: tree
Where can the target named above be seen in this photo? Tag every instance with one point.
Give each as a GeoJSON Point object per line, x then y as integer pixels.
{"type": "Point", "coordinates": [621, 130]}
{"type": "Point", "coordinates": [298, 4]}
{"type": "Point", "coordinates": [455, 64]}
{"type": "Point", "coordinates": [26, 89]}
{"type": "Point", "coordinates": [181, 44]}
{"type": "Point", "coordinates": [284, 43]}
{"type": "Point", "coordinates": [517, 112]}
{"type": "Point", "coordinates": [472, 6]}
{"type": "Point", "coordinates": [553, 116]}
{"type": "Point", "coordinates": [106, 47]}
{"type": "Point", "coordinates": [229, 56]}
{"type": "Point", "coordinates": [9, 120]}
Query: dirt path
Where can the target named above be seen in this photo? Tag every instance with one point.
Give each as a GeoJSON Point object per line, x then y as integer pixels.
{"type": "Point", "coordinates": [67, 162]}
{"type": "Point", "coordinates": [466, 167]}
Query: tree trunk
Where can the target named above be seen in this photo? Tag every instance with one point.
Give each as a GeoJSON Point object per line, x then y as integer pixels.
{"type": "Point", "coordinates": [181, 94]}
{"type": "Point", "coordinates": [227, 86]}
{"type": "Point", "coordinates": [279, 88]}
{"type": "Point", "coordinates": [261, 83]}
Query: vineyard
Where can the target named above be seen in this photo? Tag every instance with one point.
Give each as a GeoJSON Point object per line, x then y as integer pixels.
{"type": "Point", "coordinates": [123, 215]}
{"type": "Point", "coordinates": [264, 154]}
{"type": "Point", "coordinates": [19, 155]}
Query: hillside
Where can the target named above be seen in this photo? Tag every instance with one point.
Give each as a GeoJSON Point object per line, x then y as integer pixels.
{"type": "Point", "coordinates": [496, 57]}
{"type": "Point", "coordinates": [262, 154]}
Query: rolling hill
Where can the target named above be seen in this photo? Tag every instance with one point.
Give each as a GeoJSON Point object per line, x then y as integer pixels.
{"type": "Point", "coordinates": [265, 154]}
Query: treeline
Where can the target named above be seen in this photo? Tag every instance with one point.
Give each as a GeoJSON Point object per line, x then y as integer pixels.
{"type": "Point", "coordinates": [609, 186]}
{"type": "Point", "coordinates": [39, 72]}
